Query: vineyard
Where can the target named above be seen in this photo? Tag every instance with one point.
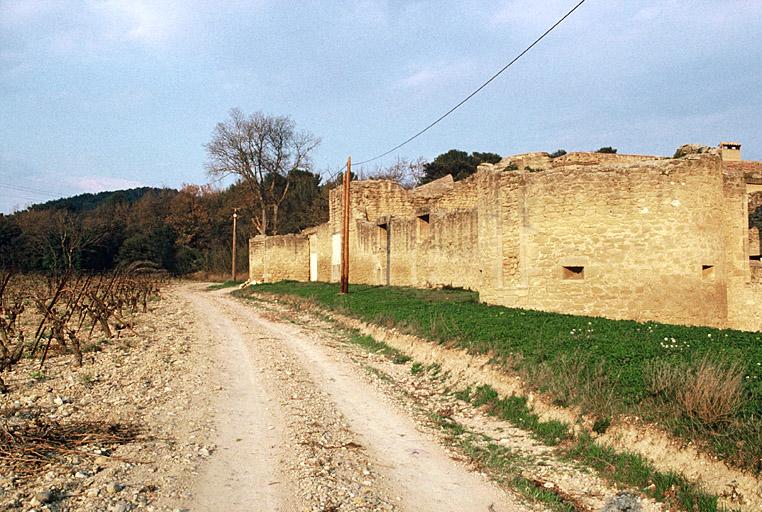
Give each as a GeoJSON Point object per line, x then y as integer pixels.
{"type": "Point", "coordinates": [61, 313]}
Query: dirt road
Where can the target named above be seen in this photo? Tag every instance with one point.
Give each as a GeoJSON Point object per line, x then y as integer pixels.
{"type": "Point", "coordinates": [301, 428]}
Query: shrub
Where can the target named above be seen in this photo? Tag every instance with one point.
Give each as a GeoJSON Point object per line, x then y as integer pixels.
{"type": "Point", "coordinates": [709, 390]}
{"type": "Point", "coordinates": [607, 149]}
{"type": "Point", "coordinates": [712, 391]}
{"type": "Point", "coordinates": [557, 153]}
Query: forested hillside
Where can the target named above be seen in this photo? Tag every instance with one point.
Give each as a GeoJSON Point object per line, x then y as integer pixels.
{"type": "Point", "coordinates": [184, 231]}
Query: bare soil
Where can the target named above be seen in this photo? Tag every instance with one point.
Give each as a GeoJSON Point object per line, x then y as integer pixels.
{"type": "Point", "coordinates": [255, 406]}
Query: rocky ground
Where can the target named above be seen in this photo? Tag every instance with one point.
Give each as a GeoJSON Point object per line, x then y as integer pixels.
{"type": "Point", "coordinates": [220, 404]}
{"type": "Point", "coordinates": [152, 383]}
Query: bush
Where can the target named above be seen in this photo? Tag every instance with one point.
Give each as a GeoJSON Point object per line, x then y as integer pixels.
{"type": "Point", "coordinates": [607, 149]}
{"type": "Point", "coordinates": [712, 390]}
{"type": "Point", "coordinates": [709, 390]}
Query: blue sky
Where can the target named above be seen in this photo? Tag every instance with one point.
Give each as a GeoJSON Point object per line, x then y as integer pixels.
{"type": "Point", "coordinates": [107, 94]}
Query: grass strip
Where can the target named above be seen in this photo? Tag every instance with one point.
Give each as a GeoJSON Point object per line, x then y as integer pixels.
{"type": "Point", "coordinates": [620, 467]}
{"type": "Point", "coordinates": [227, 284]}
{"type": "Point", "coordinates": [505, 465]}
{"type": "Point", "coordinates": [378, 347]}
{"type": "Point", "coordinates": [515, 410]}
{"type": "Point", "coordinates": [599, 364]}
{"type": "Point", "coordinates": [633, 470]}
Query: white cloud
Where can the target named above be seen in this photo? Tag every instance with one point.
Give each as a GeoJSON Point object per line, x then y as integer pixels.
{"type": "Point", "coordinates": [102, 183]}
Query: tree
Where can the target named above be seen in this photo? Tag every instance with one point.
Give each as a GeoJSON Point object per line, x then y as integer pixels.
{"type": "Point", "coordinates": [557, 153]}
{"type": "Point", "coordinates": [458, 163]}
{"type": "Point", "coordinates": [305, 204]}
{"type": "Point", "coordinates": [607, 149]}
{"type": "Point", "coordinates": [260, 151]}
{"type": "Point", "coordinates": [10, 239]}
{"type": "Point", "coordinates": [408, 173]}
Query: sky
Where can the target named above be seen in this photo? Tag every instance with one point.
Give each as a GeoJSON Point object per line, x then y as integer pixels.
{"type": "Point", "coordinates": [110, 94]}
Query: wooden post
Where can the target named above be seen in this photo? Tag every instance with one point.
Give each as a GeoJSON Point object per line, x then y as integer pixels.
{"type": "Point", "coordinates": [345, 229]}
{"type": "Point", "coordinates": [235, 218]}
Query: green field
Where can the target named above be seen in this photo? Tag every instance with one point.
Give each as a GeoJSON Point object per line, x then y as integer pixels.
{"type": "Point", "coordinates": [701, 383]}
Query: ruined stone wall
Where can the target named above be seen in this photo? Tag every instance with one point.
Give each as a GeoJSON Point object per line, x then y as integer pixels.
{"type": "Point", "coordinates": [464, 195]}
{"type": "Point", "coordinates": [755, 223]}
{"type": "Point", "coordinates": [619, 236]}
{"type": "Point", "coordinates": [640, 241]}
{"type": "Point", "coordinates": [277, 258]}
{"type": "Point", "coordinates": [744, 279]}
{"type": "Point", "coordinates": [446, 251]}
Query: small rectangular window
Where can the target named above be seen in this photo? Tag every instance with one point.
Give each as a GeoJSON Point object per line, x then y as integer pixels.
{"type": "Point", "coordinates": [707, 271]}
{"type": "Point", "coordinates": [574, 272]}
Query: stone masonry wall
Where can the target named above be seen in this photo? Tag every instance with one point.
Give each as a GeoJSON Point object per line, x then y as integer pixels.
{"type": "Point", "coordinates": [278, 258]}
{"type": "Point", "coordinates": [640, 241]}
{"type": "Point", "coordinates": [620, 236]}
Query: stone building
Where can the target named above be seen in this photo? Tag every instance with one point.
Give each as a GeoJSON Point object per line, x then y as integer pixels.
{"type": "Point", "coordinates": [673, 240]}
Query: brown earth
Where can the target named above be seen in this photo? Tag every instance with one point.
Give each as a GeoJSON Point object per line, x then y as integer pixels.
{"type": "Point", "coordinates": [255, 406]}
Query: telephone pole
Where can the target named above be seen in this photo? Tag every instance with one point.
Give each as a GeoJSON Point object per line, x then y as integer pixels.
{"type": "Point", "coordinates": [235, 219]}
{"type": "Point", "coordinates": [345, 229]}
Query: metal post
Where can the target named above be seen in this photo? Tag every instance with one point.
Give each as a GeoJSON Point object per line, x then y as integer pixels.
{"type": "Point", "coordinates": [235, 219]}
{"type": "Point", "coordinates": [345, 229]}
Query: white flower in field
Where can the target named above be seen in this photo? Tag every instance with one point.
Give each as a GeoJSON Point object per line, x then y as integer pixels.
{"type": "Point", "coordinates": [709, 335]}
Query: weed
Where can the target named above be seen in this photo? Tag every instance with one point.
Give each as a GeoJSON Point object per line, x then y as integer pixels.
{"type": "Point", "coordinates": [38, 375]}
{"type": "Point", "coordinates": [87, 379]}
{"type": "Point", "coordinates": [416, 368]}
{"type": "Point", "coordinates": [227, 284]}
{"type": "Point", "coordinates": [464, 394]}
{"type": "Point", "coordinates": [515, 410]}
{"type": "Point", "coordinates": [401, 359]}
{"type": "Point", "coordinates": [633, 470]}
{"type": "Point", "coordinates": [434, 369]}
{"type": "Point", "coordinates": [601, 425]}
{"type": "Point", "coordinates": [378, 373]}
{"type": "Point", "coordinates": [95, 346]}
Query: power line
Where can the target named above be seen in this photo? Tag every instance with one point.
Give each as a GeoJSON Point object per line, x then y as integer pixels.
{"type": "Point", "coordinates": [29, 190]}
{"type": "Point", "coordinates": [17, 196]}
{"type": "Point", "coordinates": [475, 92]}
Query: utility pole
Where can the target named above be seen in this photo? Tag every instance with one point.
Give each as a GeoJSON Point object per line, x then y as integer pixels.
{"type": "Point", "coordinates": [345, 229]}
{"type": "Point", "coordinates": [235, 219]}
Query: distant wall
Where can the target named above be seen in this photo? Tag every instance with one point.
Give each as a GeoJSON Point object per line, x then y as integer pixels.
{"type": "Point", "coordinates": [640, 241]}
{"type": "Point", "coordinates": [276, 258]}
{"type": "Point", "coordinates": [620, 236]}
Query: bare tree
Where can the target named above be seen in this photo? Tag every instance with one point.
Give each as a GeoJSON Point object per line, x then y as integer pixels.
{"type": "Point", "coordinates": [261, 151]}
{"type": "Point", "coordinates": [405, 172]}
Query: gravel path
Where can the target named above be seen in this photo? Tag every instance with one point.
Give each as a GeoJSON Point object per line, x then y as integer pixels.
{"type": "Point", "coordinates": [301, 429]}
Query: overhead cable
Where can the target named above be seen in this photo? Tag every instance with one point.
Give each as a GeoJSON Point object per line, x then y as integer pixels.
{"type": "Point", "coordinates": [476, 91]}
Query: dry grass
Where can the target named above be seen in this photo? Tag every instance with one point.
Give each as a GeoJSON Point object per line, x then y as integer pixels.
{"type": "Point", "coordinates": [712, 391]}
{"type": "Point", "coordinates": [709, 390]}
{"type": "Point", "coordinates": [571, 379]}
